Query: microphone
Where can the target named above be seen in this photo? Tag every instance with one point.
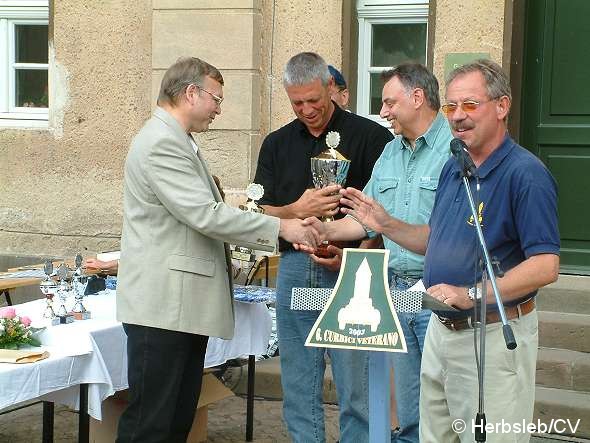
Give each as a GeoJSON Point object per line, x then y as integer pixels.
{"type": "Point", "coordinates": [459, 151]}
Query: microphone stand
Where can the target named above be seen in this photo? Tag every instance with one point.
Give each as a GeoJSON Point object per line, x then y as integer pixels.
{"type": "Point", "coordinates": [480, 419]}
{"type": "Point", "coordinates": [479, 302]}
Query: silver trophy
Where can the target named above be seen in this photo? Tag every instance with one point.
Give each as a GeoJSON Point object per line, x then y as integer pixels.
{"type": "Point", "coordinates": [79, 283]}
{"type": "Point", "coordinates": [329, 168]}
{"type": "Point", "coordinates": [254, 192]}
{"type": "Point", "coordinates": [48, 288]}
{"type": "Point", "coordinates": [63, 288]}
{"type": "Point", "coordinates": [246, 256]}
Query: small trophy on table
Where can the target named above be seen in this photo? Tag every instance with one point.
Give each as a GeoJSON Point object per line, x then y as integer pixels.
{"type": "Point", "coordinates": [329, 168]}
{"type": "Point", "coordinates": [48, 288]}
{"type": "Point", "coordinates": [246, 256]}
{"type": "Point", "coordinates": [254, 192]}
{"type": "Point", "coordinates": [62, 292]}
{"type": "Point", "coordinates": [79, 282]}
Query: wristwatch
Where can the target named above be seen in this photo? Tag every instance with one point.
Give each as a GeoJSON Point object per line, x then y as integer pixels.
{"type": "Point", "coordinates": [474, 292]}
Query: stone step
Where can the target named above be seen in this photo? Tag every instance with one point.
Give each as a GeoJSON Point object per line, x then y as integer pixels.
{"type": "Point", "coordinates": [564, 300]}
{"type": "Point", "coordinates": [268, 381]}
{"type": "Point", "coordinates": [564, 331]}
{"type": "Point", "coordinates": [563, 369]}
{"type": "Point", "coordinates": [561, 404]}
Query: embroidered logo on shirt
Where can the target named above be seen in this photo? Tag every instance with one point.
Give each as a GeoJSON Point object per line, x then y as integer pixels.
{"type": "Point", "coordinates": [479, 216]}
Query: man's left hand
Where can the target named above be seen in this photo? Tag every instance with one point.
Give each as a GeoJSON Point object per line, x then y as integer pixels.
{"type": "Point", "coordinates": [455, 296]}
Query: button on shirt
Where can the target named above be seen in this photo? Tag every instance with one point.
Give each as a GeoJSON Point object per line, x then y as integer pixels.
{"type": "Point", "coordinates": [517, 211]}
{"type": "Point", "coordinates": [284, 167]}
{"type": "Point", "coordinates": [404, 181]}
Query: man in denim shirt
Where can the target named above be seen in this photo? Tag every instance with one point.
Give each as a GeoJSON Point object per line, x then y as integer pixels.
{"type": "Point", "coordinates": [404, 182]}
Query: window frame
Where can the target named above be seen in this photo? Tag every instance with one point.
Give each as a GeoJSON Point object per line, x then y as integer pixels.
{"type": "Point", "coordinates": [13, 13]}
{"type": "Point", "coordinates": [379, 12]}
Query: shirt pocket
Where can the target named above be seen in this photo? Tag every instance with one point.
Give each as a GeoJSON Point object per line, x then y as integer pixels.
{"type": "Point", "coordinates": [386, 188]}
{"type": "Point", "coordinates": [427, 191]}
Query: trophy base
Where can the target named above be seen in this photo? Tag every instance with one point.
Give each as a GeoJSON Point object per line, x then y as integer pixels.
{"type": "Point", "coordinates": [81, 315]}
{"type": "Point", "coordinates": [62, 320]}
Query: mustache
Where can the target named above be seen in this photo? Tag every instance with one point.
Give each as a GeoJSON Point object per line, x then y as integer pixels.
{"type": "Point", "coordinates": [459, 126]}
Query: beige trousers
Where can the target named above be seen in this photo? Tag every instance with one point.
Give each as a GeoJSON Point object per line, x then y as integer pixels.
{"type": "Point", "coordinates": [449, 388]}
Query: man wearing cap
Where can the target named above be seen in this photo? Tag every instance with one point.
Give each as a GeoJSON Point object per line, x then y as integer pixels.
{"type": "Point", "coordinates": [339, 91]}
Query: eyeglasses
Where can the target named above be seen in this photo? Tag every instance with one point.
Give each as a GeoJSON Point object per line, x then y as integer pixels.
{"type": "Point", "coordinates": [467, 106]}
{"type": "Point", "coordinates": [218, 99]}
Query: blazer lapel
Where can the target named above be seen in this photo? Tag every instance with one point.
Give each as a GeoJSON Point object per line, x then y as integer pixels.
{"type": "Point", "coordinates": [218, 198]}
{"type": "Point", "coordinates": [212, 184]}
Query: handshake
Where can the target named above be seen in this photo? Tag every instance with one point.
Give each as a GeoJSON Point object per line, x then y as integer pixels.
{"type": "Point", "coordinates": [304, 234]}
{"type": "Point", "coordinates": [307, 232]}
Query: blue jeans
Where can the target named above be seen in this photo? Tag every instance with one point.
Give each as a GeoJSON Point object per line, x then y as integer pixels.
{"type": "Point", "coordinates": [406, 367]}
{"type": "Point", "coordinates": [302, 368]}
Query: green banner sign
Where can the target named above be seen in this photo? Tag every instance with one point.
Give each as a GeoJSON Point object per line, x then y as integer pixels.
{"type": "Point", "coordinates": [359, 313]}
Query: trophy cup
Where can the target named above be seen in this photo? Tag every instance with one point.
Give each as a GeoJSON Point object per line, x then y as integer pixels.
{"type": "Point", "coordinates": [62, 292]}
{"type": "Point", "coordinates": [254, 192]}
{"type": "Point", "coordinates": [48, 288]}
{"type": "Point", "coordinates": [79, 282]}
{"type": "Point", "coordinates": [329, 168]}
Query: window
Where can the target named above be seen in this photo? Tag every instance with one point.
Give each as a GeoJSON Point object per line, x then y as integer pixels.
{"type": "Point", "coordinates": [24, 53]}
{"type": "Point", "coordinates": [390, 32]}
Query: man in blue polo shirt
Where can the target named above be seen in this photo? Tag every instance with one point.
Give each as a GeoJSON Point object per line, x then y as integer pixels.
{"type": "Point", "coordinates": [518, 213]}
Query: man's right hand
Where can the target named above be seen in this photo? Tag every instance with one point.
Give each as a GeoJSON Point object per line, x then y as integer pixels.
{"type": "Point", "coordinates": [366, 210]}
{"type": "Point", "coordinates": [318, 227]}
{"type": "Point", "coordinates": [298, 232]}
{"type": "Point", "coordinates": [317, 202]}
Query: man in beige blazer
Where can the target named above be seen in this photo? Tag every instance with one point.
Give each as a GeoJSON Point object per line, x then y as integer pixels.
{"type": "Point", "coordinates": [175, 286]}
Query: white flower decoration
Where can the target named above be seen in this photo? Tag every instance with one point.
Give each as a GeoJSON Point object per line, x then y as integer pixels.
{"type": "Point", "coordinates": [333, 139]}
{"type": "Point", "coordinates": [254, 191]}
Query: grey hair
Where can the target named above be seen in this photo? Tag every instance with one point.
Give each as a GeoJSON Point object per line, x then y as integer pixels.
{"type": "Point", "coordinates": [415, 75]}
{"type": "Point", "coordinates": [304, 68]}
{"type": "Point", "coordinates": [497, 82]}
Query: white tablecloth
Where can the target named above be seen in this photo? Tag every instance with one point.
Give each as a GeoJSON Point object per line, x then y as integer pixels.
{"type": "Point", "coordinates": [94, 352]}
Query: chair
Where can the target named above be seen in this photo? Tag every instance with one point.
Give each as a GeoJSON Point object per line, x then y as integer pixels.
{"type": "Point", "coordinates": [265, 269]}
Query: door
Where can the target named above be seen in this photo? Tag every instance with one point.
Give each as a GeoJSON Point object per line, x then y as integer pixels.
{"type": "Point", "coordinates": [555, 119]}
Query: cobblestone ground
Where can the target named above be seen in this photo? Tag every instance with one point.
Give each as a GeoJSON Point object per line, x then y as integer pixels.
{"type": "Point", "coordinates": [227, 423]}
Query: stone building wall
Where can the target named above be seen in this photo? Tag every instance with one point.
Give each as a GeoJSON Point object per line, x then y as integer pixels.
{"type": "Point", "coordinates": [62, 192]}
{"type": "Point", "coordinates": [60, 189]}
{"type": "Point", "coordinates": [473, 26]}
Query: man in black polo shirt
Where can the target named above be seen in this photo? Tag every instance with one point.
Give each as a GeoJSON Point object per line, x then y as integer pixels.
{"type": "Point", "coordinates": [285, 173]}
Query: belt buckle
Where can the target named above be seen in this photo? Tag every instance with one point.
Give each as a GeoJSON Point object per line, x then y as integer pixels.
{"type": "Point", "coordinates": [450, 324]}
